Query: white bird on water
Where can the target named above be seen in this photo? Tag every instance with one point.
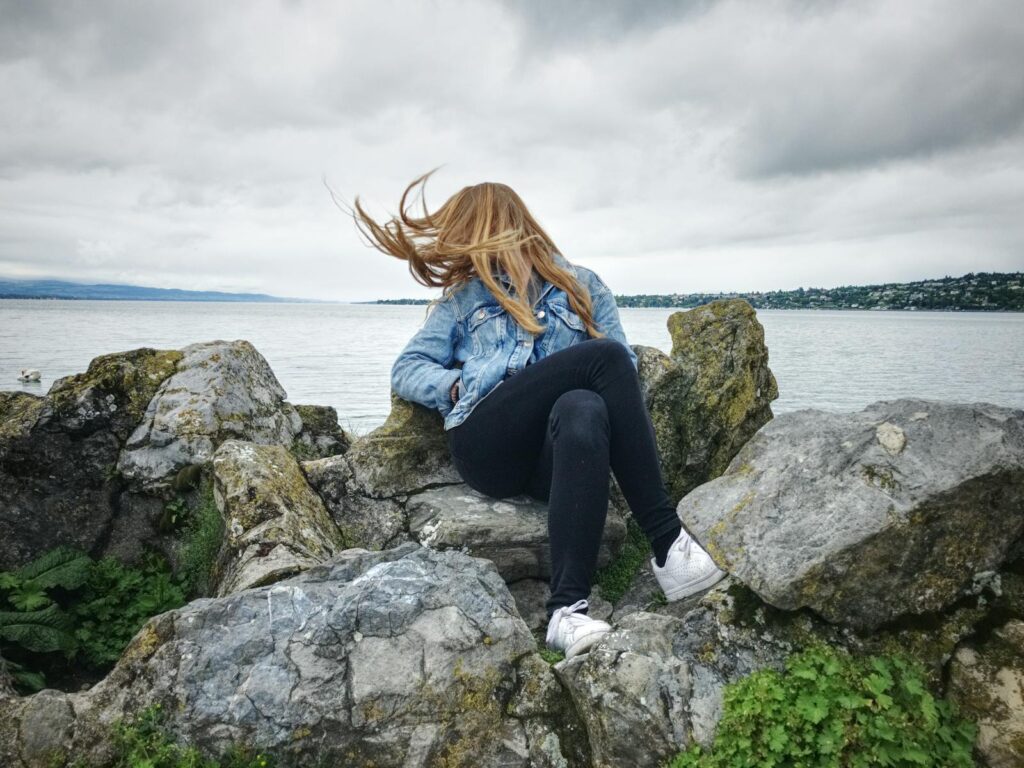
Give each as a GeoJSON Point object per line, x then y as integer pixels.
{"type": "Point", "coordinates": [29, 374]}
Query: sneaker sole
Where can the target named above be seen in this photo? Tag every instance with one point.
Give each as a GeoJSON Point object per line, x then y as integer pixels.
{"type": "Point", "coordinates": [584, 644]}
{"type": "Point", "coordinates": [694, 587]}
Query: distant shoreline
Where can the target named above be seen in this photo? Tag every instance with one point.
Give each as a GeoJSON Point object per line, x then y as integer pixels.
{"type": "Point", "coordinates": [973, 292]}
{"type": "Point", "coordinates": [418, 302]}
{"type": "Point", "coordinates": [993, 310]}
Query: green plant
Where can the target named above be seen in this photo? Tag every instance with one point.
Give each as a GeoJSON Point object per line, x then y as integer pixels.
{"type": "Point", "coordinates": [616, 577]}
{"type": "Point", "coordinates": [26, 587]}
{"type": "Point", "coordinates": [144, 742]}
{"type": "Point", "coordinates": [550, 656]}
{"type": "Point", "coordinates": [830, 710]}
{"type": "Point", "coordinates": [202, 537]}
{"type": "Point", "coordinates": [64, 602]}
{"type": "Point", "coordinates": [174, 516]}
{"type": "Point", "coordinates": [115, 602]}
{"type": "Point", "coordinates": [37, 624]}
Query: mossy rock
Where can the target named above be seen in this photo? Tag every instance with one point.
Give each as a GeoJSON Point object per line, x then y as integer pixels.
{"type": "Point", "coordinates": [712, 394]}
{"type": "Point", "coordinates": [118, 386]}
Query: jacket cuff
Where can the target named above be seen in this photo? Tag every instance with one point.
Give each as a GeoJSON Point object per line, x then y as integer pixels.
{"type": "Point", "coordinates": [444, 394]}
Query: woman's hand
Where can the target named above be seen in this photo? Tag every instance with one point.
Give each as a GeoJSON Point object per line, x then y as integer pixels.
{"type": "Point", "coordinates": [454, 392]}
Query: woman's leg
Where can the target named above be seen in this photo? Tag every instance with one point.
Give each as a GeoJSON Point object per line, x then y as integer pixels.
{"type": "Point", "coordinates": [497, 449]}
{"type": "Point", "coordinates": [572, 476]}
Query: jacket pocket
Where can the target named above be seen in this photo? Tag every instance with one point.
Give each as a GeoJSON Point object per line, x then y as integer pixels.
{"type": "Point", "coordinates": [567, 316]}
{"type": "Point", "coordinates": [486, 326]}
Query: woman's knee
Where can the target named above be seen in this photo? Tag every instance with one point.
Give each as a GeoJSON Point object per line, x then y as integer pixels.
{"type": "Point", "coordinates": [611, 352]}
{"type": "Point", "coordinates": [579, 415]}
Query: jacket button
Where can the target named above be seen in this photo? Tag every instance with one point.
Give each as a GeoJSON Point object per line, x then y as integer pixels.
{"type": "Point", "coordinates": [480, 314]}
{"type": "Point", "coordinates": [540, 314]}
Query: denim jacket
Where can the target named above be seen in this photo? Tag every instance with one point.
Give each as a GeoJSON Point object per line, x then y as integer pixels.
{"type": "Point", "coordinates": [469, 338]}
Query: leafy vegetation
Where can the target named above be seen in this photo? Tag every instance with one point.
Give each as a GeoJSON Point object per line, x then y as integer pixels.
{"type": "Point", "coordinates": [202, 534]}
{"type": "Point", "coordinates": [145, 743]}
{"type": "Point", "coordinates": [115, 602]}
{"type": "Point", "coordinates": [65, 608]}
{"type": "Point", "coordinates": [549, 655]}
{"type": "Point", "coordinates": [830, 709]}
{"type": "Point", "coordinates": [615, 578]}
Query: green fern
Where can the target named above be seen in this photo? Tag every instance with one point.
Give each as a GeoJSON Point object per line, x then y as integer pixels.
{"type": "Point", "coordinates": [61, 567]}
{"type": "Point", "coordinates": [26, 587]}
{"type": "Point", "coordinates": [42, 631]}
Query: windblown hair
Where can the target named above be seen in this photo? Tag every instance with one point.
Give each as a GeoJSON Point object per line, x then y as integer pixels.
{"type": "Point", "coordinates": [482, 230]}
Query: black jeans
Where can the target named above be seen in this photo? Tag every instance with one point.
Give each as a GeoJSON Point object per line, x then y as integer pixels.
{"type": "Point", "coordinates": [552, 431]}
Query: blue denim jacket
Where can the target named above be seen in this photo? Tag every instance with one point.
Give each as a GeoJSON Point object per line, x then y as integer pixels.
{"type": "Point", "coordinates": [469, 338]}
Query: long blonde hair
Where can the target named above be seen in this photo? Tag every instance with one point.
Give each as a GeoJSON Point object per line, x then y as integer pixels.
{"type": "Point", "coordinates": [478, 230]}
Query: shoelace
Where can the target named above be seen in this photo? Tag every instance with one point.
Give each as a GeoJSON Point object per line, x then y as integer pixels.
{"type": "Point", "coordinates": [562, 614]}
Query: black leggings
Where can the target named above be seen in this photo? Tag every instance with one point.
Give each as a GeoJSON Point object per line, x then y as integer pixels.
{"type": "Point", "coordinates": [552, 431]}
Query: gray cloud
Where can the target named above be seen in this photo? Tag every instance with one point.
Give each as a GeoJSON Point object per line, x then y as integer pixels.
{"type": "Point", "coordinates": [711, 145]}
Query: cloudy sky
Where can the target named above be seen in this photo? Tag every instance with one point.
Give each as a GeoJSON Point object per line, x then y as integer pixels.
{"type": "Point", "coordinates": [671, 146]}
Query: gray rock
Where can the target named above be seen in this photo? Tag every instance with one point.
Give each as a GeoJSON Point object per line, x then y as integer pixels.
{"type": "Point", "coordinates": [221, 390]}
{"type": "Point", "coordinates": [365, 521]}
{"type": "Point", "coordinates": [863, 524]}
{"type": "Point", "coordinates": [6, 680]}
{"type": "Point", "coordinates": [321, 435]}
{"type": "Point", "coordinates": [406, 454]}
{"type": "Point", "coordinates": [986, 681]}
{"type": "Point", "coordinates": [511, 532]}
{"type": "Point", "coordinates": [632, 693]}
{"type": "Point", "coordinates": [405, 657]}
{"type": "Point", "coordinates": [274, 524]}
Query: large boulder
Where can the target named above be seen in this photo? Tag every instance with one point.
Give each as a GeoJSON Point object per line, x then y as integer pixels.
{"type": "Point", "coordinates": [511, 532]}
{"type": "Point", "coordinates": [711, 394]}
{"type": "Point", "coordinates": [405, 454]}
{"type": "Point", "coordinates": [409, 657]}
{"type": "Point", "coordinates": [986, 680]}
{"type": "Point", "coordinates": [59, 453]}
{"type": "Point", "coordinates": [867, 517]}
{"type": "Point", "coordinates": [274, 524]}
{"type": "Point", "coordinates": [220, 391]}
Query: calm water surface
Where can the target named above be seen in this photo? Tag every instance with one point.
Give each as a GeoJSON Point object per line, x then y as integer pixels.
{"type": "Point", "coordinates": [341, 354]}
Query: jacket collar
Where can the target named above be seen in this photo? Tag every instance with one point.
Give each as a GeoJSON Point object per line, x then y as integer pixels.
{"type": "Point", "coordinates": [558, 258]}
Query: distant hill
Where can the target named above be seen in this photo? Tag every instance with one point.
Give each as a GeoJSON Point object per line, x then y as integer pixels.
{"type": "Point", "coordinates": [60, 289]}
{"type": "Point", "coordinates": [982, 291]}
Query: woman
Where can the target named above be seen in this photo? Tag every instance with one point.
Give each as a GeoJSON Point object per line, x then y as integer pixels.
{"type": "Point", "coordinates": [525, 359]}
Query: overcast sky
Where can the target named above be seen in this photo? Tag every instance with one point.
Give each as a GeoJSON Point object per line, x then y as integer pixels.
{"type": "Point", "coordinates": [671, 146]}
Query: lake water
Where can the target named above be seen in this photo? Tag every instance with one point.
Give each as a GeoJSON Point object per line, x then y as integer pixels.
{"type": "Point", "coordinates": [341, 354]}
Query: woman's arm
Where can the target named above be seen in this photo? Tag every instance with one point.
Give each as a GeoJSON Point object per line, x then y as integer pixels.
{"type": "Point", "coordinates": [421, 373]}
{"type": "Point", "coordinates": [606, 315]}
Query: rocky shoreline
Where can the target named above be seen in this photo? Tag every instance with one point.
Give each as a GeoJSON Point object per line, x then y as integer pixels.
{"type": "Point", "coordinates": [364, 607]}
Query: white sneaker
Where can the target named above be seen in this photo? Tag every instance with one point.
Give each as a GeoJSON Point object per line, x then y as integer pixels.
{"type": "Point", "coordinates": [688, 569]}
{"type": "Point", "coordinates": [574, 633]}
